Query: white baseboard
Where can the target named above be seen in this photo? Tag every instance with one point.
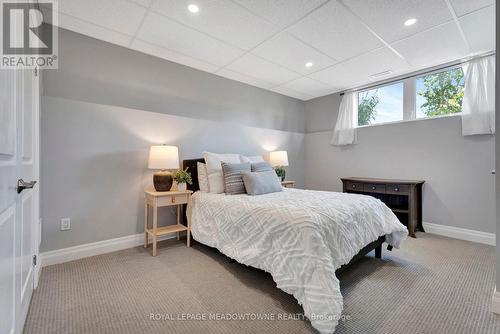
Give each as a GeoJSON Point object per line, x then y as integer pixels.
{"type": "Point", "coordinates": [461, 233]}
{"type": "Point", "coordinates": [112, 245]}
{"type": "Point", "coordinates": [38, 270]}
{"type": "Point", "coordinates": [495, 306]}
{"type": "Point", "coordinates": [96, 248]}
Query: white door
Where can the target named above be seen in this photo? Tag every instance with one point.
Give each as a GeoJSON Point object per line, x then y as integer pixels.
{"type": "Point", "coordinates": [19, 212]}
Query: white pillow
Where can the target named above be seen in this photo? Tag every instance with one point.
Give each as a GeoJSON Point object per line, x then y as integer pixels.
{"type": "Point", "coordinates": [202, 177]}
{"type": "Point", "coordinates": [252, 159]}
{"type": "Point", "coordinates": [214, 169]}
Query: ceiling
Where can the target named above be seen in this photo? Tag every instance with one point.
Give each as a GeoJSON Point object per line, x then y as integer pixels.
{"type": "Point", "coordinates": [266, 43]}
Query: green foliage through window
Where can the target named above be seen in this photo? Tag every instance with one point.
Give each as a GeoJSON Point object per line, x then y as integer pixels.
{"type": "Point", "coordinates": [442, 93]}
{"type": "Point", "coordinates": [367, 105]}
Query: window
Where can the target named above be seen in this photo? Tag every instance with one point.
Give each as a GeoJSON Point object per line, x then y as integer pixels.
{"type": "Point", "coordinates": [440, 93]}
{"type": "Point", "coordinates": [436, 94]}
{"type": "Point", "coordinates": [381, 105]}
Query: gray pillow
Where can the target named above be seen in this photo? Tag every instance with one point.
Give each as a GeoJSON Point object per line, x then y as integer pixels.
{"type": "Point", "coordinates": [231, 174]}
{"type": "Point", "coordinates": [261, 183]}
{"type": "Point", "coordinates": [261, 167]}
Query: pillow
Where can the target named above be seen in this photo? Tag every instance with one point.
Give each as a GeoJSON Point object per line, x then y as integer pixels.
{"type": "Point", "coordinates": [202, 177]}
{"type": "Point", "coordinates": [233, 182]}
{"type": "Point", "coordinates": [255, 158]}
{"type": "Point", "coordinates": [214, 169]}
{"type": "Point", "coordinates": [261, 167]}
{"type": "Point", "coordinates": [261, 183]}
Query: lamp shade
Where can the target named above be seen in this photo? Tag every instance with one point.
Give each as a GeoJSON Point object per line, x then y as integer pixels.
{"type": "Point", "coordinates": [278, 158]}
{"type": "Point", "coordinates": [163, 157]}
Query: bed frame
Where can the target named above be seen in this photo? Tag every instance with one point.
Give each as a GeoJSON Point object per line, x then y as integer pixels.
{"type": "Point", "coordinates": [191, 164]}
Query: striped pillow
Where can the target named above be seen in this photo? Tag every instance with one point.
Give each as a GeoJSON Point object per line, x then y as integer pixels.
{"type": "Point", "coordinates": [233, 182]}
{"type": "Point", "coordinates": [261, 167]}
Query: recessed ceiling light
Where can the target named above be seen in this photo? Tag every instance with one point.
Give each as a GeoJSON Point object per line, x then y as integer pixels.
{"type": "Point", "coordinates": [193, 8]}
{"type": "Point", "coordinates": [309, 64]}
{"type": "Point", "coordinates": [410, 22]}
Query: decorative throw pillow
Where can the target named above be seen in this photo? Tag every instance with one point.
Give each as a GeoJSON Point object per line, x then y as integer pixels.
{"type": "Point", "coordinates": [214, 169]}
{"type": "Point", "coordinates": [202, 177]}
{"type": "Point", "coordinates": [233, 182]}
{"type": "Point", "coordinates": [252, 159]}
{"type": "Point", "coordinates": [261, 183]}
{"type": "Point", "coordinates": [261, 167]}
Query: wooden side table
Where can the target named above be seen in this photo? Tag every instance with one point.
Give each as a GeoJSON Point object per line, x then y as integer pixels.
{"type": "Point", "coordinates": [156, 199]}
{"type": "Point", "coordinates": [288, 184]}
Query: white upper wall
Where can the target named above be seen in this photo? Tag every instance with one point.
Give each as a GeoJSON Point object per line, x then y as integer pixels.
{"type": "Point", "coordinates": [268, 43]}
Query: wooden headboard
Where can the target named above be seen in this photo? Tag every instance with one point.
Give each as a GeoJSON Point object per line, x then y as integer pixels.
{"type": "Point", "coordinates": [193, 169]}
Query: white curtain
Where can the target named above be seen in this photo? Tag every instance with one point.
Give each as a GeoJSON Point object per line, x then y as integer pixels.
{"type": "Point", "coordinates": [346, 132]}
{"type": "Point", "coordinates": [478, 106]}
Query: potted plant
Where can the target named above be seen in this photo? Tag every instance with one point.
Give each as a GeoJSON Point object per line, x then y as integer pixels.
{"type": "Point", "coordinates": [181, 177]}
{"type": "Point", "coordinates": [280, 171]}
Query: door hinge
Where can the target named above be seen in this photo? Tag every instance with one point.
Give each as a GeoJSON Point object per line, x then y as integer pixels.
{"type": "Point", "coordinates": [34, 260]}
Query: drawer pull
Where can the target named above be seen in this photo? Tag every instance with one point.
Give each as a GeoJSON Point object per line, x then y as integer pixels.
{"type": "Point", "coordinates": [173, 199]}
{"type": "Point", "coordinates": [373, 187]}
{"type": "Point", "coordinates": [354, 186]}
{"type": "Point", "coordinates": [396, 189]}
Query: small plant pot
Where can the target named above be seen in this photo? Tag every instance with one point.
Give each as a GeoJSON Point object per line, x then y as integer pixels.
{"type": "Point", "coordinates": [181, 186]}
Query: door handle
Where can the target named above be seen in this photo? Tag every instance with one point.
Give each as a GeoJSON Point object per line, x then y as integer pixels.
{"type": "Point", "coordinates": [21, 185]}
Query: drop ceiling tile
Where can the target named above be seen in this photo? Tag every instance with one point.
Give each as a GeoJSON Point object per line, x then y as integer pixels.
{"type": "Point", "coordinates": [173, 36]}
{"type": "Point", "coordinates": [339, 76]}
{"type": "Point", "coordinates": [479, 29]}
{"type": "Point", "coordinates": [288, 51]}
{"type": "Point", "coordinates": [118, 15]}
{"type": "Point", "coordinates": [262, 69]}
{"type": "Point", "coordinates": [309, 86]}
{"type": "Point", "coordinates": [377, 61]}
{"type": "Point", "coordinates": [334, 31]}
{"type": "Point", "coordinates": [244, 78]}
{"type": "Point", "coordinates": [144, 3]}
{"type": "Point", "coordinates": [160, 52]}
{"type": "Point", "coordinates": [85, 28]}
{"type": "Point", "coordinates": [290, 92]}
{"type": "Point", "coordinates": [281, 12]}
{"type": "Point", "coordinates": [433, 47]}
{"type": "Point", "coordinates": [387, 17]}
{"type": "Point", "coordinates": [222, 19]}
{"type": "Point", "coordinates": [359, 70]}
{"type": "Point", "coordinates": [463, 7]}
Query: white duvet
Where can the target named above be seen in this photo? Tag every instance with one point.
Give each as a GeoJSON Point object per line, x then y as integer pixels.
{"type": "Point", "coordinates": [299, 236]}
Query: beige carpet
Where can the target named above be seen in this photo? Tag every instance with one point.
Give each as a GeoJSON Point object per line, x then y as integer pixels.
{"type": "Point", "coordinates": [432, 285]}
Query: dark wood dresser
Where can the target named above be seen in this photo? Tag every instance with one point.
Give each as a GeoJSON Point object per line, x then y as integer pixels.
{"type": "Point", "coordinates": [403, 197]}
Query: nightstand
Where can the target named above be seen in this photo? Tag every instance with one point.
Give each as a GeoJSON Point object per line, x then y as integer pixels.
{"type": "Point", "coordinates": [288, 184]}
{"type": "Point", "coordinates": [155, 199]}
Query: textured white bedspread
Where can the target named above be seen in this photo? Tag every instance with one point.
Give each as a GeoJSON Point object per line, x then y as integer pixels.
{"type": "Point", "coordinates": [299, 236]}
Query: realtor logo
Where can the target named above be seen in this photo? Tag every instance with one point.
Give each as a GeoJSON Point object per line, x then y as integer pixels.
{"type": "Point", "coordinates": [29, 34]}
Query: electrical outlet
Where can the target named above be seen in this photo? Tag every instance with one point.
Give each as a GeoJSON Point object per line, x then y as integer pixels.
{"type": "Point", "coordinates": [65, 224]}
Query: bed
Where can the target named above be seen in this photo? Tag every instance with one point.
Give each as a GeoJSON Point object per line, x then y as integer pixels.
{"type": "Point", "coordinates": [301, 237]}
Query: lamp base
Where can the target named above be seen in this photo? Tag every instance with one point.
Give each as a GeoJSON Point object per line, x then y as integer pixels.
{"type": "Point", "coordinates": [162, 180]}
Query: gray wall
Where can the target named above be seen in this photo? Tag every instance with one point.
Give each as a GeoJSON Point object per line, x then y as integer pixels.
{"type": "Point", "coordinates": [100, 114]}
{"type": "Point", "coordinates": [459, 189]}
{"type": "Point", "coordinates": [95, 71]}
{"type": "Point", "coordinates": [106, 105]}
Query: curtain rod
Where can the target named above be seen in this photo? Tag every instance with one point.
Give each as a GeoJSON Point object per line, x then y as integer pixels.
{"type": "Point", "coordinates": [418, 73]}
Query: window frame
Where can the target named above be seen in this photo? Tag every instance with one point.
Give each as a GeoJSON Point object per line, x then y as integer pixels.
{"type": "Point", "coordinates": [410, 95]}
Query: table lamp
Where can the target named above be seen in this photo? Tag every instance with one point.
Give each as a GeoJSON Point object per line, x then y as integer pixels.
{"type": "Point", "coordinates": [163, 157]}
{"type": "Point", "coordinates": [279, 160]}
